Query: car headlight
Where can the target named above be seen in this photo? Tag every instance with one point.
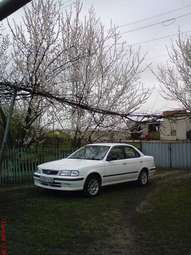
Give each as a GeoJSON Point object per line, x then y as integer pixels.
{"type": "Point", "coordinates": [69, 173]}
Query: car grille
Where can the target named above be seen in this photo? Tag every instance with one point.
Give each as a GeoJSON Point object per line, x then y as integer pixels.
{"type": "Point", "coordinates": [55, 184]}
{"type": "Point", "coordinates": [49, 172]}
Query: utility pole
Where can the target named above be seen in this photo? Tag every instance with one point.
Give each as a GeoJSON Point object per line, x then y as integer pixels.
{"type": "Point", "coordinates": [7, 7]}
{"type": "Point", "coordinates": [7, 128]}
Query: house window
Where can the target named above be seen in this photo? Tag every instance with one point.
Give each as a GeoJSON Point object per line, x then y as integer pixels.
{"type": "Point", "coordinates": [173, 127]}
{"type": "Point", "coordinates": [173, 132]}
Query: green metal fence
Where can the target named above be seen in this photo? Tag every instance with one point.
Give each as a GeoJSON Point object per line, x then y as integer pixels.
{"type": "Point", "coordinates": [19, 163]}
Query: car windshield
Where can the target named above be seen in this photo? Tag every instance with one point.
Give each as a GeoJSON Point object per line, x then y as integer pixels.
{"type": "Point", "coordinates": [90, 152]}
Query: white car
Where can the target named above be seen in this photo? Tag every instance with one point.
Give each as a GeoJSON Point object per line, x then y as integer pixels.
{"type": "Point", "coordinates": [96, 165]}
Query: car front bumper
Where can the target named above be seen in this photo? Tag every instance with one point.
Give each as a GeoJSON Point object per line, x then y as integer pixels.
{"type": "Point", "coordinates": [58, 182]}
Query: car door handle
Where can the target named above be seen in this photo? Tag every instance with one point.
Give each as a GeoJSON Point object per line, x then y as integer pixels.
{"type": "Point", "coordinates": [141, 161]}
{"type": "Point", "coordinates": [124, 163]}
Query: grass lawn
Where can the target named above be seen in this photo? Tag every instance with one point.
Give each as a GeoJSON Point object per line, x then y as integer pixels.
{"type": "Point", "coordinates": [124, 219]}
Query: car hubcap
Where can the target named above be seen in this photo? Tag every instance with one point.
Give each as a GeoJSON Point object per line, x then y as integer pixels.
{"type": "Point", "coordinates": [93, 187]}
{"type": "Point", "coordinates": [144, 178]}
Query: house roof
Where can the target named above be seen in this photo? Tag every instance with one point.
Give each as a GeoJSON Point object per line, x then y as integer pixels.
{"type": "Point", "coordinates": [7, 7]}
{"type": "Point", "coordinates": [175, 113]}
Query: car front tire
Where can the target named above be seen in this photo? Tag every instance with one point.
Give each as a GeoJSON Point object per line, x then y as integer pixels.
{"type": "Point", "coordinates": [143, 178]}
{"type": "Point", "coordinates": [92, 186]}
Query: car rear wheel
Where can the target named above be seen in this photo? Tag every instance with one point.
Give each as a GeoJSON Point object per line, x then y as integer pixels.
{"type": "Point", "coordinates": [143, 178]}
{"type": "Point", "coordinates": [92, 186]}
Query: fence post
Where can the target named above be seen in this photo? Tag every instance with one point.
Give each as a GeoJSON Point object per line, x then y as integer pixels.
{"type": "Point", "coordinates": [141, 145]}
{"type": "Point", "coordinates": [170, 154]}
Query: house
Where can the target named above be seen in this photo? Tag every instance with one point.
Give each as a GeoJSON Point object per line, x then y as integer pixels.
{"type": "Point", "coordinates": [176, 125]}
{"type": "Point", "coordinates": [147, 129]}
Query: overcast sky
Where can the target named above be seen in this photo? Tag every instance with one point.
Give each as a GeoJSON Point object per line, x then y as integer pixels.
{"type": "Point", "coordinates": [123, 12]}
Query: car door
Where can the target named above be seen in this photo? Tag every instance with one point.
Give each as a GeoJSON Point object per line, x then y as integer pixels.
{"type": "Point", "coordinates": [132, 162]}
{"type": "Point", "coordinates": [114, 165]}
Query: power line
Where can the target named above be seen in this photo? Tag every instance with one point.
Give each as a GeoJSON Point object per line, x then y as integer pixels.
{"type": "Point", "coordinates": [152, 40]}
{"type": "Point", "coordinates": [157, 39]}
{"type": "Point", "coordinates": [155, 16]}
{"type": "Point", "coordinates": [157, 23]}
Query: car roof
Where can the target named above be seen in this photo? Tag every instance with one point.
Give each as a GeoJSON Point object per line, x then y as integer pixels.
{"type": "Point", "coordinates": [109, 144]}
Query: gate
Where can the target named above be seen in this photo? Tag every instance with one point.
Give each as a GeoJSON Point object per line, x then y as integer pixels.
{"type": "Point", "coordinates": [169, 155]}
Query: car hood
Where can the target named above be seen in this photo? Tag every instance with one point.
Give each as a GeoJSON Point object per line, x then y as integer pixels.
{"type": "Point", "coordinates": [69, 164]}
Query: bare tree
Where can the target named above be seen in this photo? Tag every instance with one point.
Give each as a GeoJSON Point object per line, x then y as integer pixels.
{"type": "Point", "coordinates": [4, 62]}
{"type": "Point", "coordinates": [4, 58]}
{"type": "Point", "coordinates": [37, 59]}
{"type": "Point", "coordinates": [175, 77]}
{"type": "Point", "coordinates": [108, 77]}
{"type": "Point", "coordinates": [63, 58]}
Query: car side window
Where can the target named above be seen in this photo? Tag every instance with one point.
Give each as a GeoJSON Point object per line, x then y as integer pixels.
{"type": "Point", "coordinates": [131, 152]}
{"type": "Point", "coordinates": [116, 153]}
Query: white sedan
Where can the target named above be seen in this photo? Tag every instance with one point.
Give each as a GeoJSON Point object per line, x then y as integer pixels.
{"type": "Point", "coordinates": [96, 165]}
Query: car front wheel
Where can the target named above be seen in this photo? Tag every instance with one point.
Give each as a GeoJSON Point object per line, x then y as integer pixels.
{"type": "Point", "coordinates": [143, 178]}
{"type": "Point", "coordinates": [92, 186]}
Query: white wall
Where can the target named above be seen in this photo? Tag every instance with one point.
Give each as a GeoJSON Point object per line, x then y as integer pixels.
{"type": "Point", "coordinates": [175, 128]}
